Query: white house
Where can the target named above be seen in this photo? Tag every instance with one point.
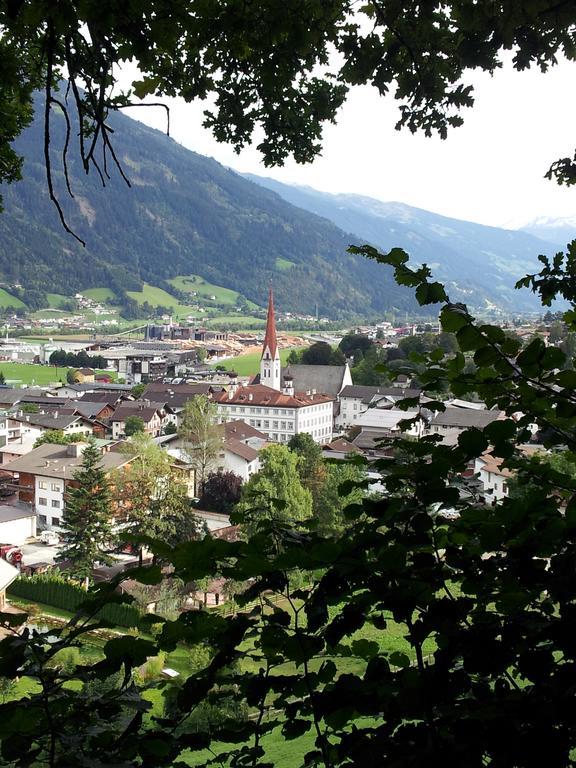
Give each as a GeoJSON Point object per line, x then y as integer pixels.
{"type": "Point", "coordinates": [356, 399]}
{"type": "Point", "coordinates": [45, 474]}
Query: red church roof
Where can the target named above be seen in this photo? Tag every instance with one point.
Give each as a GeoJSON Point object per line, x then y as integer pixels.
{"type": "Point", "coordinates": [270, 340]}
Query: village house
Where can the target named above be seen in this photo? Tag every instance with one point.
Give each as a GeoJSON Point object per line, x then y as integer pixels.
{"type": "Point", "coordinates": [456, 419]}
{"type": "Point", "coordinates": [356, 399]}
{"type": "Point", "coordinates": [241, 445]}
{"type": "Point", "coordinates": [154, 416]}
{"type": "Point", "coordinates": [8, 574]}
{"type": "Point", "coordinates": [44, 475]}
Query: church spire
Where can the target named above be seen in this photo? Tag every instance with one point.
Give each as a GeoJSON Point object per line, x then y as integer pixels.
{"type": "Point", "coordinates": [270, 360]}
{"type": "Point", "coordinates": [270, 340]}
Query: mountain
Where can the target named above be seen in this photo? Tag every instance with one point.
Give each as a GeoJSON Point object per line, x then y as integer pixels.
{"type": "Point", "coordinates": [557, 231]}
{"type": "Point", "coordinates": [478, 264]}
{"type": "Point", "coordinates": [184, 215]}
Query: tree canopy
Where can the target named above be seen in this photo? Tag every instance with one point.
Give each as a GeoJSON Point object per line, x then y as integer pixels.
{"type": "Point", "coordinates": [279, 71]}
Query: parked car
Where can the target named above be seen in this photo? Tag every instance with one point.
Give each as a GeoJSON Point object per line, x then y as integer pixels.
{"type": "Point", "coordinates": [50, 538]}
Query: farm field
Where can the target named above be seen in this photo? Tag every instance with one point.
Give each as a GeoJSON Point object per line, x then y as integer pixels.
{"type": "Point", "coordinates": [205, 290]}
{"type": "Point", "coordinates": [155, 296]}
{"type": "Point", "coordinates": [7, 300]}
{"type": "Point", "coordinates": [248, 365]}
{"type": "Point", "coordinates": [246, 321]}
{"type": "Point", "coordinates": [55, 299]}
{"type": "Point", "coordinates": [29, 373]}
{"type": "Point", "coordinates": [99, 294]}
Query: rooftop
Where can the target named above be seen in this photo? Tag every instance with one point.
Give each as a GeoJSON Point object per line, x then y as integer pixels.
{"type": "Point", "coordinates": [51, 460]}
{"type": "Point", "coordinates": [260, 395]}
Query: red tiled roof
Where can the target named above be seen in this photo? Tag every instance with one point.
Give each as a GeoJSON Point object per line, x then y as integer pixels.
{"type": "Point", "coordinates": [341, 445]}
{"type": "Point", "coordinates": [260, 395]}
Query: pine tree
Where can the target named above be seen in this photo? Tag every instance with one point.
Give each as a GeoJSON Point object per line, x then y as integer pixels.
{"type": "Point", "coordinates": [86, 526]}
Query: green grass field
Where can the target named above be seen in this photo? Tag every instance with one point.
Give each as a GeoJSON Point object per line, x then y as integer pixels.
{"type": "Point", "coordinates": [55, 299]}
{"type": "Point", "coordinates": [248, 365]}
{"type": "Point", "coordinates": [99, 294]}
{"type": "Point", "coordinates": [205, 290]}
{"type": "Point", "coordinates": [7, 300]}
{"type": "Point", "coordinates": [283, 264]}
{"type": "Point", "coordinates": [41, 375]}
{"type": "Point", "coordinates": [156, 297]}
{"type": "Point", "coordinates": [245, 321]}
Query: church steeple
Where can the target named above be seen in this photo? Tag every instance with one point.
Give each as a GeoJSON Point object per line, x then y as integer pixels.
{"type": "Point", "coordinates": [270, 360]}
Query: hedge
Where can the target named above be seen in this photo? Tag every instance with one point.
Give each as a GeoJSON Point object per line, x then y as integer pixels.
{"type": "Point", "coordinates": [56, 591]}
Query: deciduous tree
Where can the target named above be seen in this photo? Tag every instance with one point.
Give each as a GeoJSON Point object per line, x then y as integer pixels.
{"type": "Point", "coordinates": [275, 492]}
{"type": "Point", "coordinates": [221, 492]}
{"type": "Point", "coordinates": [201, 436]}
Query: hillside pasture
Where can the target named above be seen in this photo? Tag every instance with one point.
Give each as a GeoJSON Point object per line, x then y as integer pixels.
{"type": "Point", "coordinates": [194, 284]}
{"type": "Point", "coordinates": [56, 299]}
{"type": "Point", "coordinates": [156, 297]}
{"type": "Point", "coordinates": [99, 294]}
{"type": "Point", "coordinates": [7, 300]}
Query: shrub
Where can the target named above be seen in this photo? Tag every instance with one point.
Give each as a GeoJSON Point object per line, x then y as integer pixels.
{"type": "Point", "coordinates": [60, 593]}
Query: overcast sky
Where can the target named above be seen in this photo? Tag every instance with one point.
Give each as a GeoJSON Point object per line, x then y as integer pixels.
{"type": "Point", "coordinates": [490, 170]}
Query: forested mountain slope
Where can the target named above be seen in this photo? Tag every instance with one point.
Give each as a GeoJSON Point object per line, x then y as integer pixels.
{"type": "Point", "coordinates": [478, 264]}
{"type": "Point", "coordinates": [185, 214]}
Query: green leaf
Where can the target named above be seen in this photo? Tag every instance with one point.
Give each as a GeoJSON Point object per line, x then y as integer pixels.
{"type": "Point", "coordinates": [453, 317]}
{"type": "Point", "coordinates": [132, 651]}
{"type": "Point", "coordinates": [398, 659]}
{"type": "Point", "coordinates": [473, 442]}
{"type": "Point", "coordinates": [430, 293]}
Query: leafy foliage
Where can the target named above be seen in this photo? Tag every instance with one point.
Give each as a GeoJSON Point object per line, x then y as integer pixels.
{"type": "Point", "coordinates": [200, 435]}
{"type": "Point", "coordinates": [274, 493]}
{"type": "Point", "coordinates": [220, 492]}
{"type": "Point", "coordinates": [50, 589]}
{"type": "Point", "coordinates": [483, 597]}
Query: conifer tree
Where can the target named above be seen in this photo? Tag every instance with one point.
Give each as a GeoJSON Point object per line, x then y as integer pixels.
{"type": "Point", "coordinates": [86, 527]}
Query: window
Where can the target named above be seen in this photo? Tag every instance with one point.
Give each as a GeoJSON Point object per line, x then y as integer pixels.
{"type": "Point", "coordinates": [274, 425]}
{"type": "Point", "coordinates": [42, 519]}
{"type": "Point", "coordinates": [55, 504]}
{"type": "Point", "coordinates": [42, 502]}
{"type": "Point", "coordinates": [55, 521]}
{"type": "Point", "coordinates": [55, 487]}
{"type": "Point", "coordinates": [283, 425]}
{"type": "Point", "coordinates": [266, 424]}
{"type": "Point", "coordinates": [43, 485]}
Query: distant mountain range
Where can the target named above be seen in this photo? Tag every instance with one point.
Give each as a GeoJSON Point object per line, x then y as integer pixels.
{"type": "Point", "coordinates": [558, 231]}
{"type": "Point", "coordinates": [188, 215]}
{"type": "Point", "coordinates": [478, 264]}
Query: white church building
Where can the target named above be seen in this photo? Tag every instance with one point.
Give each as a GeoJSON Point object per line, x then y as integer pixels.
{"type": "Point", "coordinates": [272, 406]}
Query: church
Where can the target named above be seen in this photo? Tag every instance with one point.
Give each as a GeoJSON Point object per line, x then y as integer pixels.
{"type": "Point", "coordinates": [272, 405]}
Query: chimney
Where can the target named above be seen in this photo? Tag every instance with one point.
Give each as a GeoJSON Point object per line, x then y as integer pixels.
{"type": "Point", "coordinates": [250, 397]}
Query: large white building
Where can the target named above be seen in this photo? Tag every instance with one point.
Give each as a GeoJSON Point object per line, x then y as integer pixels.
{"type": "Point", "coordinates": [272, 406]}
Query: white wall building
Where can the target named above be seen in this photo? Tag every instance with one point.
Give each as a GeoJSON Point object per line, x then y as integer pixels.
{"type": "Point", "coordinates": [274, 407]}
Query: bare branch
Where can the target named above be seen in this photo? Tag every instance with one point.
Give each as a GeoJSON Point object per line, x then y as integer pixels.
{"type": "Point", "coordinates": [47, 107]}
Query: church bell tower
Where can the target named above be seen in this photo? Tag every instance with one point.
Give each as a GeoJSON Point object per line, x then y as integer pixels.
{"type": "Point", "coordinates": [270, 360]}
